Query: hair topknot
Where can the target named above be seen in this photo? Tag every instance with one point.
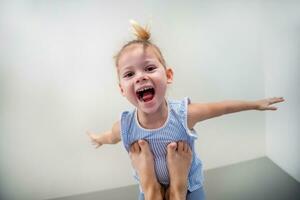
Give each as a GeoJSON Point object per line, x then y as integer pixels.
{"type": "Point", "coordinates": [143, 38]}
{"type": "Point", "coordinates": [142, 33]}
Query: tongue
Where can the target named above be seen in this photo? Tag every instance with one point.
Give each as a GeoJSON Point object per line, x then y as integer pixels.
{"type": "Point", "coordinates": [147, 96]}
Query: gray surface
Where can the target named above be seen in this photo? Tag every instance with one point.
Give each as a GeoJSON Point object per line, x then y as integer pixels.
{"type": "Point", "coordinates": [258, 179]}
{"type": "Point", "coordinates": [122, 193]}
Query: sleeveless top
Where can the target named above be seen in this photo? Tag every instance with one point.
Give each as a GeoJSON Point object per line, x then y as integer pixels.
{"type": "Point", "coordinates": [174, 129]}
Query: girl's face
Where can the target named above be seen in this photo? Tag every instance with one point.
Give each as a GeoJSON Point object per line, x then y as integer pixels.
{"type": "Point", "coordinates": [142, 78]}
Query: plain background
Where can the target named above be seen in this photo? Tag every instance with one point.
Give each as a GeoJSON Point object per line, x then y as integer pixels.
{"type": "Point", "coordinates": [57, 79]}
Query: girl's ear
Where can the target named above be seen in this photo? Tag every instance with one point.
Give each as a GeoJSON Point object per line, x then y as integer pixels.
{"type": "Point", "coordinates": [169, 73]}
{"type": "Point", "coordinates": [121, 89]}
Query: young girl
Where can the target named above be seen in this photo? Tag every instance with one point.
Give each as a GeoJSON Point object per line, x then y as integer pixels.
{"type": "Point", "coordinates": [156, 122]}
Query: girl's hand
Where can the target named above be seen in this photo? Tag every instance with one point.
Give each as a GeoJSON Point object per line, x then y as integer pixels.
{"type": "Point", "coordinates": [264, 104]}
{"type": "Point", "coordinates": [95, 138]}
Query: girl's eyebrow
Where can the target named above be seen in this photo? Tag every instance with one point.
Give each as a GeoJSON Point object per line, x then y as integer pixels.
{"type": "Point", "coordinates": [129, 67]}
{"type": "Point", "coordinates": [149, 61]}
{"type": "Point", "coordinates": [146, 61]}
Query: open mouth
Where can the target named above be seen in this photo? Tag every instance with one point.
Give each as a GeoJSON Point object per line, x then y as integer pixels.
{"type": "Point", "coordinates": [145, 94]}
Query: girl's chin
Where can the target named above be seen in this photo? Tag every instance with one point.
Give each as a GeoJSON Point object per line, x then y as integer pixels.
{"type": "Point", "coordinates": [149, 107]}
{"type": "Point", "coordinates": [148, 110]}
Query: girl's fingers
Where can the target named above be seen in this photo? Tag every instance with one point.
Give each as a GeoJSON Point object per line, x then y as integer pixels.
{"type": "Point", "coordinates": [91, 135]}
{"type": "Point", "coordinates": [276, 100]}
{"type": "Point", "coordinates": [88, 132]}
{"type": "Point", "coordinates": [272, 108]}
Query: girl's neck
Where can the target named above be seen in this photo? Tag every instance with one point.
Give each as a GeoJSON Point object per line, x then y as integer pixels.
{"type": "Point", "coordinates": [154, 120]}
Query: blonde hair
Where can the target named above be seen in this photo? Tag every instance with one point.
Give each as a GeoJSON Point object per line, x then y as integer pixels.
{"type": "Point", "coordinates": [143, 38]}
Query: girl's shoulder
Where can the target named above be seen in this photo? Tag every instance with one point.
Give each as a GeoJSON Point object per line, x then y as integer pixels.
{"type": "Point", "coordinates": [127, 116]}
{"type": "Point", "coordinates": [180, 106]}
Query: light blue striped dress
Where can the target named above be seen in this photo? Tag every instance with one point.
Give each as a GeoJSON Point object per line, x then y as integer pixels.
{"type": "Point", "coordinates": [175, 129]}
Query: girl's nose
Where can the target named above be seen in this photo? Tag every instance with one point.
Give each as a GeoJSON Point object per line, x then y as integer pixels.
{"type": "Point", "coordinates": [141, 78]}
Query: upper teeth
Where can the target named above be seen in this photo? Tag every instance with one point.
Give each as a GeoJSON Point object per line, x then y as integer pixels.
{"type": "Point", "coordinates": [143, 89]}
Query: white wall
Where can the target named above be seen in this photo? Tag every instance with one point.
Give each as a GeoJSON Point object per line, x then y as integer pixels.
{"type": "Point", "coordinates": [58, 79]}
{"type": "Point", "coordinates": [281, 50]}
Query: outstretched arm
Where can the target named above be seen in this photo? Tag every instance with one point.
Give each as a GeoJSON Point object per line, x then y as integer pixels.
{"type": "Point", "coordinates": [201, 111]}
{"type": "Point", "coordinates": [108, 137]}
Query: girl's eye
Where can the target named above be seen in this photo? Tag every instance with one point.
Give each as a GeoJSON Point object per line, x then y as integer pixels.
{"type": "Point", "coordinates": [150, 68]}
{"type": "Point", "coordinates": [128, 74]}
